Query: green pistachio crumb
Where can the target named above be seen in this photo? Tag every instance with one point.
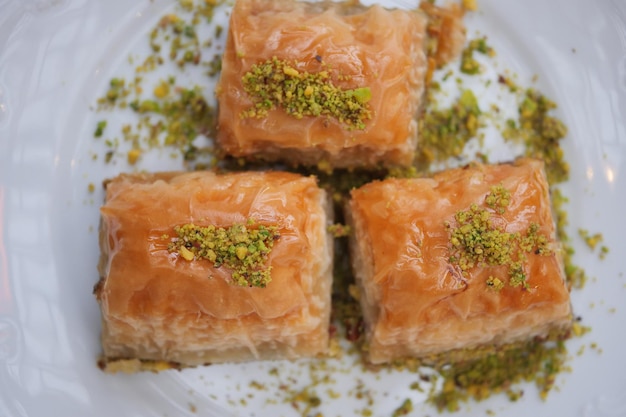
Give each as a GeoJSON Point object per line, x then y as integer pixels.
{"type": "Point", "coordinates": [540, 133]}
{"type": "Point", "coordinates": [517, 275]}
{"type": "Point", "coordinates": [100, 128]}
{"type": "Point", "coordinates": [308, 399]}
{"type": "Point", "coordinates": [574, 275]}
{"type": "Point", "coordinates": [508, 82]}
{"type": "Point", "coordinates": [495, 283]}
{"type": "Point", "coordinates": [498, 199]}
{"type": "Point", "coordinates": [116, 90]}
{"type": "Point", "coordinates": [604, 250]}
{"type": "Point", "coordinates": [257, 385]}
{"type": "Point", "coordinates": [444, 132]}
{"type": "Point", "coordinates": [404, 409]}
{"type": "Point", "coordinates": [277, 83]}
{"type": "Point", "coordinates": [499, 370]}
{"type": "Point", "coordinates": [240, 248]}
{"type": "Point", "coordinates": [591, 240]}
{"type": "Point", "coordinates": [215, 65]}
{"type": "Point", "coordinates": [469, 65]}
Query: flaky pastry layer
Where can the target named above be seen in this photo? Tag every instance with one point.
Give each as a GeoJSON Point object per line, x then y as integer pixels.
{"type": "Point", "coordinates": [158, 306]}
{"type": "Point", "coordinates": [416, 301]}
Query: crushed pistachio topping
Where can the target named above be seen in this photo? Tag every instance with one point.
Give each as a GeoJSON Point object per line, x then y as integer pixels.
{"type": "Point", "coordinates": [495, 283]}
{"type": "Point", "coordinates": [469, 65]}
{"type": "Point", "coordinates": [240, 248]}
{"type": "Point", "coordinates": [444, 132]}
{"type": "Point", "coordinates": [476, 240]}
{"type": "Point", "coordinates": [498, 199]}
{"type": "Point", "coordinates": [277, 83]}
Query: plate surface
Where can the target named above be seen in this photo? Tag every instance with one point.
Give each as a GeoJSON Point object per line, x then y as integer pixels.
{"type": "Point", "coordinates": [56, 59]}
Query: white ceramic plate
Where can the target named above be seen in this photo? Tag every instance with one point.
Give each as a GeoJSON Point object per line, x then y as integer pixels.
{"type": "Point", "coordinates": [56, 58]}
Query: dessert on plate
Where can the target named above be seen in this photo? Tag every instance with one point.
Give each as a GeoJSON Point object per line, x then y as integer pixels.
{"type": "Point", "coordinates": [329, 84]}
{"type": "Point", "coordinates": [464, 260]}
{"type": "Point", "coordinates": [203, 268]}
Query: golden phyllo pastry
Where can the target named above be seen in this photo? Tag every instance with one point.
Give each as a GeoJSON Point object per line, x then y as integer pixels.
{"type": "Point", "coordinates": [335, 84]}
{"type": "Point", "coordinates": [202, 268]}
{"type": "Point", "coordinates": [466, 259]}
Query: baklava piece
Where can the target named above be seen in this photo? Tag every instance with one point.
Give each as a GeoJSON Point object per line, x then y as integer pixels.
{"type": "Point", "coordinates": [323, 83]}
{"type": "Point", "coordinates": [464, 260]}
{"type": "Point", "coordinates": [203, 268]}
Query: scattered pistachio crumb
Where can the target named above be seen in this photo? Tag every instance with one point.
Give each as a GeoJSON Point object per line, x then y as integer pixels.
{"type": "Point", "coordinates": [591, 240]}
{"type": "Point", "coordinates": [575, 276]}
{"type": "Point", "coordinates": [100, 128]}
{"type": "Point", "coordinates": [540, 133]}
{"type": "Point", "coordinates": [444, 133]}
{"type": "Point", "coordinates": [133, 156]}
{"type": "Point", "coordinates": [404, 409]}
{"type": "Point", "coordinates": [469, 65]}
{"type": "Point", "coordinates": [604, 250]}
{"type": "Point", "coordinates": [498, 371]}
{"type": "Point", "coordinates": [182, 113]}
{"type": "Point", "coordinates": [333, 394]}
{"type": "Point", "coordinates": [470, 5]}
{"type": "Point", "coordinates": [580, 330]}
{"type": "Point", "coordinates": [162, 90]}
{"type": "Point", "coordinates": [257, 385]}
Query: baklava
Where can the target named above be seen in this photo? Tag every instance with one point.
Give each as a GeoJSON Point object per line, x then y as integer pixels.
{"type": "Point", "coordinates": [201, 268]}
{"type": "Point", "coordinates": [334, 84]}
{"type": "Point", "coordinates": [463, 260]}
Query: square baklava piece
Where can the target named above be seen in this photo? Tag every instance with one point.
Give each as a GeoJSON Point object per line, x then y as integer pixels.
{"type": "Point", "coordinates": [203, 268]}
{"type": "Point", "coordinates": [466, 259]}
{"type": "Point", "coordinates": [324, 83]}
